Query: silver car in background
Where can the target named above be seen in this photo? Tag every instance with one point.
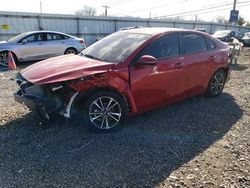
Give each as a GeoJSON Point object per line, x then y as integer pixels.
{"type": "Point", "coordinates": [38, 45]}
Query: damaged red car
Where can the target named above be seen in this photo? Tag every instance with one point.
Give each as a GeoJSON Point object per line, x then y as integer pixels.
{"type": "Point", "coordinates": [125, 73]}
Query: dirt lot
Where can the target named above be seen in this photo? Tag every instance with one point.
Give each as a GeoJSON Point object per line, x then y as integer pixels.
{"type": "Point", "coordinates": [200, 142]}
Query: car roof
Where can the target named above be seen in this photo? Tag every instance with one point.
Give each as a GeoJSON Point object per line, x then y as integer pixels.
{"type": "Point", "coordinates": [44, 31]}
{"type": "Point", "coordinates": [156, 30]}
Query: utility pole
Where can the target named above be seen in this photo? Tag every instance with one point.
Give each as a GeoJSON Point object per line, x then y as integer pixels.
{"type": "Point", "coordinates": [106, 9]}
{"type": "Point", "coordinates": [196, 17]}
{"type": "Point", "coordinates": [234, 7]}
{"type": "Point", "coordinates": [41, 16]}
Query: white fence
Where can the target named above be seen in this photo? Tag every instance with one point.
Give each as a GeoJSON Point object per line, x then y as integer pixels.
{"type": "Point", "coordinates": [91, 28]}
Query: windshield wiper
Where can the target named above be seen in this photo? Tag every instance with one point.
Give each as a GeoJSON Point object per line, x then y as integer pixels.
{"type": "Point", "coordinates": [92, 57]}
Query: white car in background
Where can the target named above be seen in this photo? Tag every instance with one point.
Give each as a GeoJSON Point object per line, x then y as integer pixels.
{"type": "Point", "coordinates": [246, 39]}
{"type": "Point", "coordinates": [38, 45]}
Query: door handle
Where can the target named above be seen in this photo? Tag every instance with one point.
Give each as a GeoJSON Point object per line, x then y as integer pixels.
{"type": "Point", "coordinates": [179, 65]}
{"type": "Point", "coordinates": [211, 58]}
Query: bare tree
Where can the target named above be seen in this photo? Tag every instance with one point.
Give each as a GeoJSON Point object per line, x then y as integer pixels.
{"type": "Point", "coordinates": [221, 20]}
{"type": "Point", "coordinates": [86, 11]}
{"type": "Point", "coordinates": [241, 21]}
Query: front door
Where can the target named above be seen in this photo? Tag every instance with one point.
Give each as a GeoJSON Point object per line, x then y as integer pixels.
{"type": "Point", "coordinates": [32, 47]}
{"type": "Point", "coordinates": [156, 85]}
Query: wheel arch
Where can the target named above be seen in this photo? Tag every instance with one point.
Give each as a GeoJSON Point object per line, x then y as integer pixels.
{"type": "Point", "coordinates": [82, 97]}
{"type": "Point", "coordinates": [225, 69]}
{"type": "Point", "coordinates": [14, 54]}
{"type": "Point", "coordinates": [70, 47]}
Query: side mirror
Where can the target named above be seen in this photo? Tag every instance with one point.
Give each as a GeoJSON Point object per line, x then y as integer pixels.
{"type": "Point", "coordinates": [147, 60]}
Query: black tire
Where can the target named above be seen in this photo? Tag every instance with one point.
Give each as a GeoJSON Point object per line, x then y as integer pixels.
{"type": "Point", "coordinates": [216, 83]}
{"type": "Point", "coordinates": [70, 51]}
{"type": "Point", "coordinates": [104, 112]}
{"type": "Point", "coordinates": [4, 58]}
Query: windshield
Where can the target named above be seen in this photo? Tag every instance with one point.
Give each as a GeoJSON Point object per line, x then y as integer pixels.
{"type": "Point", "coordinates": [221, 33]}
{"type": "Point", "coordinates": [17, 38]}
{"type": "Point", "coordinates": [115, 47]}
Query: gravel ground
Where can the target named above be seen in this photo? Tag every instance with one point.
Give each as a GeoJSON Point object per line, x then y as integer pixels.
{"type": "Point", "coordinates": [200, 142]}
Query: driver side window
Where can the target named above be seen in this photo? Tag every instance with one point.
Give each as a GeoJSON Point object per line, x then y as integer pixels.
{"type": "Point", "coordinates": [30, 38]}
{"type": "Point", "coordinates": [163, 47]}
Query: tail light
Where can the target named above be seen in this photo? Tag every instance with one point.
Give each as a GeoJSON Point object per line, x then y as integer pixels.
{"type": "Point", "coordinates": [82, 41]}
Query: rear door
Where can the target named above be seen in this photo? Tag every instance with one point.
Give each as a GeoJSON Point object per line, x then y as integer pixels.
{"type": "Point", "coordinates": [198, 59]}
{"type": "Point", "coordinates": [32, 47]}
{"type": "Point", "coordinates": [156, 85]}
{"type": "Point", "coordinates": [55, 45]}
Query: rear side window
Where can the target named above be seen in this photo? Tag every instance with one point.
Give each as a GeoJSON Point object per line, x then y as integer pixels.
{"type": "Point", "coordinates": [55, 36]}
{"type": "Point", "coordinates": [210, 44]}
{"type": "Point", "coordinates": [192, 43]}
{"type": "Point", "coordinates": [164, 47]}
{"type": "Point", "coordinates": [65, 36]}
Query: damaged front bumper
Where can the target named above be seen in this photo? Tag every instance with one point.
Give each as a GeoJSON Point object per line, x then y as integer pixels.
{"type": "Point", "coordinates": [45, 100]}
{"type": "Point", "coordinates": [27, 100]}
{"type": "Point", "coordinates": [34, 103]}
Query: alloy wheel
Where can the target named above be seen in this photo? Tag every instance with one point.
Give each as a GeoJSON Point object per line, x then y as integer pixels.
{"type": "Point", "coordinates": [4, 59]}
{"type": "Point", "coordinates": [217, 83]}
{"type": "Point", "coordinates": [105, 112]}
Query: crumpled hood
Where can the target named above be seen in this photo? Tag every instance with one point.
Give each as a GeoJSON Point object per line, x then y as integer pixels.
{"type": "Point", "coordinates": [62, 68]}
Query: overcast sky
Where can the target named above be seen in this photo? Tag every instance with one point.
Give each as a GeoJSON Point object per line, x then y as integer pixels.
{"type": "Point", "coordinates": [138, 8]}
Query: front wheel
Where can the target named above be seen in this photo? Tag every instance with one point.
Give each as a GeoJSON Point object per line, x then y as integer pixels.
{"type": "Point", "coordinates": [216, 83]}
{"type": "Point", "coordinates": [4, 58]}
{"type": "Point", "coordinates": [104, 112]}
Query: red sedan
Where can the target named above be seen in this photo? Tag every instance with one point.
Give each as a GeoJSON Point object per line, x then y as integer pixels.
{"type": "Point", "coordinates": [125, 73]}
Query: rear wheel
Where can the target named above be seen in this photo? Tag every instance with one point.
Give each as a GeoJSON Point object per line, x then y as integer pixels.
{"type": "Point", "coordinates": [104, 112]}
{"type": "Point", "coordinates": [70, 51]}
{"type": "Point", "coordinates": [216, 83]}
